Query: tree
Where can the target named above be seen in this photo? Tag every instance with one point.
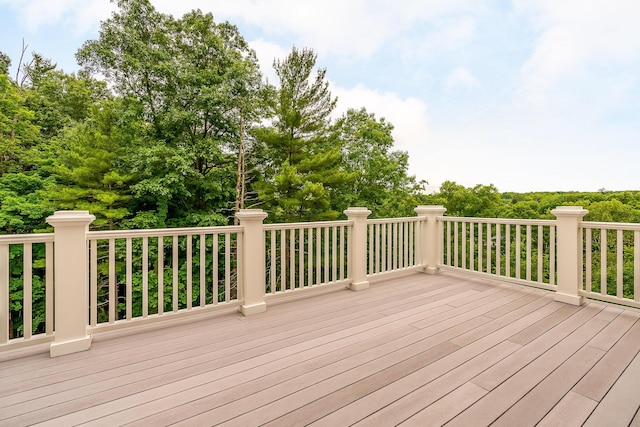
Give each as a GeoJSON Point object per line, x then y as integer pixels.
{"type": "Point", "coordinates": [59, 99]}
{"type": "Point", "coordinates": [90, 165]}
{"type": "Point", "coordinates": [32, 114]}
{"type": "Point", "coordinates": [24, 205]}
{"type": "Point", "coordinates": [380, 178]}
{"type": "Point", "coordinates": [17, 131]}
{"type": "Point", "coordinates": [5, 63]}
{"type": "Point", "coordinates": [612, 211]}
{"type": "Point", "coordinates": [301, 162]}
{"type": "Point", "coordinates": [479, 201]}
{"type": "Point", "coordinates": [196, 81]}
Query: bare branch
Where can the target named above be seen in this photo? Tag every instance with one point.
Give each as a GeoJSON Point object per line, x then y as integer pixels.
{"type": "Point", "coordinates": [24, 50]}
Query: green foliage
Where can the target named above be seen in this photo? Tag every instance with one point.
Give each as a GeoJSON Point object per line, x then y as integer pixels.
{"type": "Point", "coordinates": [16, 290]}
{"type": "Point", "coordinates": [17, 129]}
{"type": "Point", "coordinates": [481, 201]}
{"type": "Point", "coordinates": [302, 163]}
{"type": "Point", "coordinates": [23, 206]}
{"type": "Point", "coordinates": [5, 63]}
{"type": "Point", "coordinates": [486, 202]}
{"type": "Point", "coordinates": [58, 99]}
{"type": "Point", "coordinates": [380, 180]}
{"type": "Point", "coordinates": [612, 211]}
{"type": "Point", "coordinates": [89, 166]}
{"type": "Point", "coordinates": [22, 189]}
{"type": "Point", "coordinates": [197, 82]}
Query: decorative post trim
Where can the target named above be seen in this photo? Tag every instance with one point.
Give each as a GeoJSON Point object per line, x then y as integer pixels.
{"type": "Point", "coordinates": [70, 286]}
{"type": "Point", "coordinates": [569, 252]}
{"type": "Point", "coordinates": [357, 256]}
{"type": "Point", "coordinates": [429, 248]}
{"type": "Point", "coordinates": [253, 263]}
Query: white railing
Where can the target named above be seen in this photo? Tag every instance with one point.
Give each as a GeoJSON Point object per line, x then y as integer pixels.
{"type": "Point", "coordinates": [26, 280]}
{"type": "Point", "coordinates": [393, 245]}
{"type": "Point", "coordinates": [112, 279]}
{"type": "Point", "coordinates": [615, 246]}
{"type": "Point", "coordinates": [146, 274]}
{"type": "Point", "coordinates": [522, 251]}
{"type": "Point", "coordinates": [304, 255]}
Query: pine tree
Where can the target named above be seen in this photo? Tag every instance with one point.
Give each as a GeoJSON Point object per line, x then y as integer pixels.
{"type": "Point", "coordinates": [300, 155]}
{"type": "Point", "coordinates": [90, 167]}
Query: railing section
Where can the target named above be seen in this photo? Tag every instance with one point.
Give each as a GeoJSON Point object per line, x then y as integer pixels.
{"type": "Point", "coordinates": [392, 245]}
{"type": "Point", "coordinates": [304, 255]}
{"type": "Point", "coordinates": [143, 274]}
{"type": "Point", "coordinates": [521, 251]}
{"type": "Point", "coordinates": [140, 275]}
{"type": "Point", "coordinates": [26, 289]}
{"type": "Point", "coordinates": [611, 262]}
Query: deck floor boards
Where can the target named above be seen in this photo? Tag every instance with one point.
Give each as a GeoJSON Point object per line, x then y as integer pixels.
{"type": "Point", "coordinates": [417, 350]}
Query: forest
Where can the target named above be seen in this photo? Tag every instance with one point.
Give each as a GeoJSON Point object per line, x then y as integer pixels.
{"type": "Point", "coordinates": [170, 123]}
{"type": "Point", "coordinates": [486, 201]}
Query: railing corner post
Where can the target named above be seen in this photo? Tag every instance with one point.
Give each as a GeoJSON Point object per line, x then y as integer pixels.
{"type": "Point", "coordinates": [569, 253]}
{"type": "Point", "coordinates": [429, 249]}
{"type": "Point", "coordinates": [357, 258]}
{"type": "Point", "coordinates": [253, 261]}
{"type": "Point", "coordinates": [70, 277]}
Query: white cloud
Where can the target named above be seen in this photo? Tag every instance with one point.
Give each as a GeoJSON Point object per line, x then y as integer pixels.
{"type": "Point", "coordinates": [332, 25]}
{"type": "Point", "coordinates": [78, 16]}
{"type": "Point", "coordinates": [576, 38]}
{"type": "Point", "coordinates": [461, 78]}
{"type": "Point", "coordinates": [408, 115]}
{"type": "Point", "coordinates": [267, 52]}
{"type": "Point", "coordinates": [354, 29]}
{"type": "Point", "coordinates": [442, 34]}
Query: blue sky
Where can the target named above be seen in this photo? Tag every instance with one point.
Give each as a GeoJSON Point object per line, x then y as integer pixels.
{"type": "Point", "coordinates": [528, 95]}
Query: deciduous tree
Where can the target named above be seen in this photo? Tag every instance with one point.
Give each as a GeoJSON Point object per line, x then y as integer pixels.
{"type": "Point", "coordinates": [196, 81]}
{"type": "Point", "coordinates": [380, 174]}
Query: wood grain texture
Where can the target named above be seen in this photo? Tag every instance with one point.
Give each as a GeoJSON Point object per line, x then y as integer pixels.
{"type": "Point", "coordinates": [419, 350]}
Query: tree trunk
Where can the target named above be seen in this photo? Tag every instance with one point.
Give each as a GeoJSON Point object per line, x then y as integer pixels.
{"type": "Point", "coordinates": [241, 182]}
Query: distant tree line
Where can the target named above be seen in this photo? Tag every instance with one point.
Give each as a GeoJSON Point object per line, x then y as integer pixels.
{"type": "Point", "coordinates": [485, 201]}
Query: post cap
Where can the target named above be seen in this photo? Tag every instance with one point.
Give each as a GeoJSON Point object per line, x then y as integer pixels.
{"type": "Point", "coordinates": [249, 214]}
{"type": "Point", "coordinates": [430, 209]}
{"type": "Point", "coordinates": [68, 218]}
{"type": "Point", "coordinates": [357, 212]}
{"type": "Point", "coordinates": [564, 211]}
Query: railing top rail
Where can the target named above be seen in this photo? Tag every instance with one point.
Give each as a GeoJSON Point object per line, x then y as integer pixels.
{"type": "Point", "coordinates": [394, 220]}
{"type": "Point", "coordinates": [512, 221]}
{"type": "Point", "coordinates": [26, 238]}
{"type": "Point", "coordinates": [157, 232]}
{"type": "Point", "coordinates": [291, 225]}
{"type": "Point", "coordinates": [611, 225]}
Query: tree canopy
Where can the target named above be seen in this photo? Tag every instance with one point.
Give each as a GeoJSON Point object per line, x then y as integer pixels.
{"type": "Point", "coordinates": [170, 123]}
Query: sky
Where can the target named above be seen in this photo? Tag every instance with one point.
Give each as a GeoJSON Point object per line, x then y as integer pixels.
{"type": "Point", "coordinates": [527, 95]}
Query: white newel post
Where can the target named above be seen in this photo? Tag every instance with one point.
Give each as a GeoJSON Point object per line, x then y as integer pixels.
{"type": "Point", "coordinates": [253, 265]}
{"type": "Point", "coordinates": [569, 252]}
{"type": "Point", "coordinates": [429, 247]}
{"type": "Point", "coordinates": [71, 286]}
{"type": "Point", "coordinates": [357, 257]}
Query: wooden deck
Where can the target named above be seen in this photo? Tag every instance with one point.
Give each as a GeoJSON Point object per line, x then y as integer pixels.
{"type": "Point", "coordinates": [420, 350]}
